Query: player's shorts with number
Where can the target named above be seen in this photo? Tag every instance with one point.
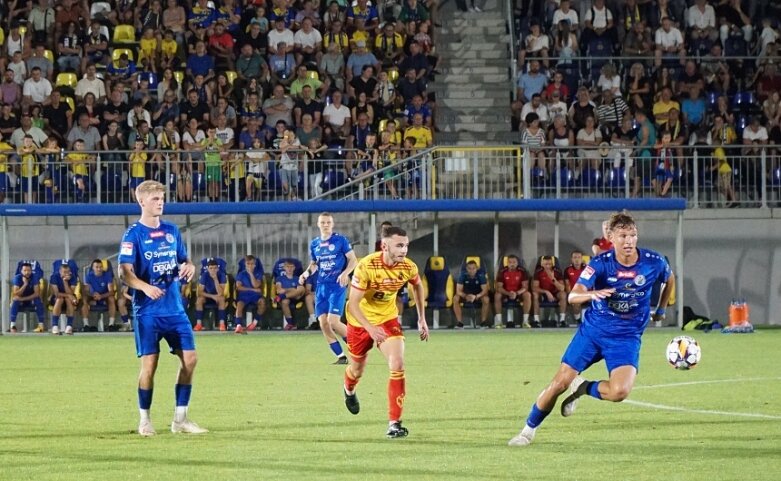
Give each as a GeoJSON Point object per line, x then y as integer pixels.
{"type": "Point", "coordinates": [359, 342]}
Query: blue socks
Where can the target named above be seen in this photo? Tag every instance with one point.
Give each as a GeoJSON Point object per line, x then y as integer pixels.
{"type": "Point", "coordinates": [593, 389]}
{"type": "Point", "coordinates": [536, 416]}
{"type": "Point", "coordinates": [183, 392]}
{"type": "Point", "coordinates": [125, 319]}
{"type": "Point", "coordinates": [221, 315]}
{"type": "Point", "coordinates": [144, 398]}
{"type": "Point", "coordinates": [336, 348]}
{"type": "Point", "coordinates": [199, 316]}
{"type": "Point", "coordinates": [70, 320]}
{"type": "Point", "coordinates": [289, 320]}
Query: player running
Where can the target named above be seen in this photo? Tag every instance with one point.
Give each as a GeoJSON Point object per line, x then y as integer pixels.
{"type": "Point", "coordinates": [152, 260]}
{"type": "Point", "coordinates": [333, 259]}
{"type": "Point", "coordinates": [618, 284]}
{"type": "Point", "coordinates": [372, 318]}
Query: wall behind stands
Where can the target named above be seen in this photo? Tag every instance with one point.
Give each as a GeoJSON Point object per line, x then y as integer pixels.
{"type": "Point", "coordinates": [728, 253]}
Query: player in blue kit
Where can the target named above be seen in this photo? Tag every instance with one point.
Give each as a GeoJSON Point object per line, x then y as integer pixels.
{"type": "Point", "coordinates": [99, 291]}
{"type": "Point", "coordinates": [63, 285]}
{"type": "Point", "coordinates": [152, 260]}
{"type": "Point", "coordinates": [333, 259]}
{"type": "Point", "coordinates": [617, 283]}
{"type": "Point", "coordinates": [249, 288]}
{"type": "Point", "coordinates": [211, 286]}
{"type": "Point", "coordinates": [26, 293]}
{"type": "Point", "coordinates": [288, 293]}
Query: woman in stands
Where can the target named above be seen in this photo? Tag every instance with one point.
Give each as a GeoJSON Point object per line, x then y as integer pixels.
{"type": "Point", "coordinates": [587, 139]}
{"type": "Point", "coordinates": [563, 138]}
{"type": "Point", "coordinates": [566, 45]}
{"type": "Point", "coordinates": [533, 138]}
{"type": "Point", "coordinates": [723, 109]}
{"type": "Point", "coordinates": [663, 79]}
{"type": "Point", "coordinates": [639, 88]}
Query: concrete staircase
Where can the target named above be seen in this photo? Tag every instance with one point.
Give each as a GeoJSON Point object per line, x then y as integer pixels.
{"type": "Point", "coordinates": [474, 90]}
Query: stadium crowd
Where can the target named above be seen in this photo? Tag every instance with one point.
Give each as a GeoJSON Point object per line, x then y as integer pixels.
{"type": "Point", "coordinates": [177, 87]}
{"type": "Point", "coordinates": [229, 297]}
{"type": "Point", "coordinates": [635, 87]}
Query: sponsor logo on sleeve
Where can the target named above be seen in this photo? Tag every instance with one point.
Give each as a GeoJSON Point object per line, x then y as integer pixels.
{"type": "Point", "coordinates": [587, 273]}
{"type": "Point", "coordinates": [126, 249]}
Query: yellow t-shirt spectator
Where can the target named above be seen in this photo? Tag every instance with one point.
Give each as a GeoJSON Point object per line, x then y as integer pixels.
{"type": "Point", "coordinates": [29, 161]}
{"type": "Point", "coordinates": [79, 163]}
{"type": "Point", "coordinates": [381, 41]}
{"type": "Point", "coordinates": [5, 150]}
{"type": "Point", "coordinates": [169, 48]}
{"type": "Point", "coordinates": [359, 36]}
{"type": "Point", "coordinates": [147, 48]}
{"type": "Point", "coordinates": [137, 164]}
{"type": "Point", "coordinates": [422, 135]}
{"type": "Point", "coordinates": [661, 108]}
{"type": "Point", "coordinates": [340, 40]}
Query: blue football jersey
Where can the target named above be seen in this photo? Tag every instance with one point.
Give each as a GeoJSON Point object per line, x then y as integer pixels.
{"type": "Point", "coordinates": [19, 280]}
{"type": "Point", "coordinates": [208, 283]}
{"type": "Point", "coordinates": [56, 280]}
{"type": "Point", "coordinates": [98, 285]}
{"type": "Point", "coordinates": [472, 285]}
{"type": "Point", "coordinates": [627, 311]}
{"type": "Point", "coordinates": [287, 282]}
{"type": "Point", "coordinates": [330, 256]}
{"type": "Point", "coordinates": [155, 254]}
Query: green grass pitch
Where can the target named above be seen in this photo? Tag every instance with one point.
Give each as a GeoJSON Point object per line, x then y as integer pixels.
{"type": "Point", "coordinates": [274, 406]}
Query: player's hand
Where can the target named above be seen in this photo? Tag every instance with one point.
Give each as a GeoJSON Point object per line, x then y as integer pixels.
{"type": "Point", "coordinates": [187, 271]}
{"type": "Point", "coordinates": [377, 334]}
{"type": "Point", "coordinates": [423, 329]}
{"type": "Point", "coordinates": [95, 297]}
{"type": "Point", "coordinates": [601, 294]}
{"type": "Point", "coordinates": [550, 297]}
{"type": "Point", "coordinates": [302, 279]}
{"type": "Point", "coordinates": [470, 298]}
{"type": "Point", "coordinates": [659, 318]}
{"type": "Point", "coordinates": [512, 295]}
{"type": "Point", "coordinates": [343, 279]}
{"type": "Point", "coordinates": [153, 292]}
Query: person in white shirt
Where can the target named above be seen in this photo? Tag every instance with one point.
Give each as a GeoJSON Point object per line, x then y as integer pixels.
{"type": "Point", "coordinates": [564, 12]}
{"type": "Point", "coordinates": [278, 35]}
{"type": "Point", "coordinates": [701, 20]}
{"type": "Point", "coordinates": [538, 107]}
{"type": "Point", "coordinates": [535, 45]}
{"type": "Point", "coordinates": [338, 116]}
{"type": "Point", "coordinates": [598, 23]}
{"type": "Point", "coordinates": [669, 42]}
{"type": "Point", "coordinates": [307, 42]}
{"type": "Point", "coordinates": [91, 83]}
{"type": "Point", "coordinates": [36, 89]}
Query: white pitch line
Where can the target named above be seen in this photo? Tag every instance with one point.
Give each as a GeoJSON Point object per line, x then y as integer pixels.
{"type": "Point", "coordinates": [699, 411]}
{"type": "Point", "coordinates": [713, 381]}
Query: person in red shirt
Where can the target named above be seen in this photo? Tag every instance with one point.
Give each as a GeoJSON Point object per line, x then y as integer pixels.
{"type": "Point", "coordinates": [221, 46]}
{"type": "Point", "coordinates": [601, 244]}
{"type": "Point", "coordinates": [548, 286]}
{"type": "Point", "coordinates": [512, 285]}
{"type": "Point", "coordinates": [571, 276]}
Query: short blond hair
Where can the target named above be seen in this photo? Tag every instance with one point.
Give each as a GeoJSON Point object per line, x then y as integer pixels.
{"type": "Point", "coordinates": [149, 187]}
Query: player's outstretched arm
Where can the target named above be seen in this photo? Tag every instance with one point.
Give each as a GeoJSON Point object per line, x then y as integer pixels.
{"type": "Point", "coordinates": [306, 274]}
{"type": "Point", "coordinates": [580, 294]}
{"type": "Point", "coordinates": [420, 306]}
{"type": "Point", "coordinates": [128, 276]}
{"type": "Point", "coordinates": [664, 298]}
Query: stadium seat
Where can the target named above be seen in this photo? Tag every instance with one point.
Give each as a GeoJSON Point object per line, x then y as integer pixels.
{"type": "Point", "coordinates": [117, 52]}
{"type": "Point", "coordinates": [231, 76]}
{"type": "Point", "coordinates": [312, 75]}
{"type": "Point", "coordinates": [393, 74]}
{"type": "Point", "coordinates": [438, 284]}
{"type": "Point", "coordinates": [48, 54]}
{"type": "Point", "coordinates": [124, 34]}
{"type": "Point", "coordinates": [179, 76]}
{"type": "Point", "coordinates": [66, 79]}
{"type": "Point", "coordinates": [258, 271]}
{"type": "Point", "coordinates": [38, 278]}
{"type": "Point", "coordinates": [151, 77]}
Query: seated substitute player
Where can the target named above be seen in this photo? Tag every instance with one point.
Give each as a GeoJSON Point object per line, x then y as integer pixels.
{"type": "Point", "coordinates": [211, 285]}
{"type": "Point", "coordinates": [372, 319]}
{"type": "Point", "coordinates": [63, 284]}
{"type": "Point", "coordinates": [548, 285]}
{"type": "Point", "coordinates": [472, 287]}
{"type": "Point", "coordinates": [288, 292]}
{"type": "Point", "coordinates": [98, 290]}
{"type": "Point", "coordinates": [152, 260]}
{"type": "Point", "coordinates": [512, 284]}
{"type": "Point", "coordinates": [618, 285]}
{"type": "Point", "coordinates": [26, 293]}
{"type": "Point", "coordinates": [571, 276]}
{"type": "Point", "coordinates": [249, 293]}
{"type": "Point", "coordinates": [333, 259]}
{"type": "Point", "coordinates": [602, 244]}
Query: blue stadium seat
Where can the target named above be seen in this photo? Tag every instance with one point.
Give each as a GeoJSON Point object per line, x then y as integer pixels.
{"type": "Point", "coordinates": [591, 179]}
{"type": "Point", "coordinates": [278, 270]}
{"type": "Point", "coordinates": [438, 283]}
{"type": "Point", "coordinates": [616, 178]}
{"type": "Point", "coordinates": [258, 271]}
{"type": "Point", "coordinates": [36, 267]}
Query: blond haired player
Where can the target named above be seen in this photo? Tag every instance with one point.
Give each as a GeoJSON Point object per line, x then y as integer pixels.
{"type": "Point", "coordinates": [372, 319]}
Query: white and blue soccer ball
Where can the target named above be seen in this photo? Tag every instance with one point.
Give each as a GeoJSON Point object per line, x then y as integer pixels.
{"type": "Point", "coordinates": [683, 352]}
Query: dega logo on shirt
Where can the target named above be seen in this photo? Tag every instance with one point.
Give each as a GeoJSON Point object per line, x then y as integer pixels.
{"type": "Point", "coordinates": [164, 267]}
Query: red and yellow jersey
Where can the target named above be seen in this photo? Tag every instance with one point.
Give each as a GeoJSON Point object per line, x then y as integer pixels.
{"type": "Point", "coordinates": [380, 283]}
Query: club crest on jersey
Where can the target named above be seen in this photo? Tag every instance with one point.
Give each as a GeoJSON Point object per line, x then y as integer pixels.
{"type": "Point", "coordinates": [331, 247]}
{"type": "Point", "coordinates": [640, 280]}
{"type": "Point", "coordinates": [587, 273]}
{"type": "Point", "coordinates": [126, 249]}
{"type": "Point", "coordinates": [626, 274]}
{"type": "Point", "coordinates": [156, 234]}
{"type": "Point", "coordinates": [169, 238]}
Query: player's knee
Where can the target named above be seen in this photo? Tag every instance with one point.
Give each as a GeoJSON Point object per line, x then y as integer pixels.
{"type": "Point", "coordinates": [396, 363]}
{"type": "Point", "coordinates": [484, 300]}
{"type": "Point", "coordinates": [619, 393]}
{"type": "Point", "coordinates": [356, 369]}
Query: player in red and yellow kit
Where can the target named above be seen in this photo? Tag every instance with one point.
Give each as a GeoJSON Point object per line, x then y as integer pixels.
{"type": "Point", "coordinates": [372, 319]}
{"type": "Point", "coordinates": [571, 276]}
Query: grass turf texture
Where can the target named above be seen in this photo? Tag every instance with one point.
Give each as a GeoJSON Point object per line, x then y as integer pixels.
{"type": "Point", "coordinates": [275, 410]}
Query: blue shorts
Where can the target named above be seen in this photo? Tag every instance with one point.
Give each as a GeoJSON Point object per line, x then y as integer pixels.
{"type": "Point", "coordinates": [585, 350]}
{"type": "Point", "coordinates": [249, 300]}
{"type": "Point", "coordinates": [3, 182]}
{"type": "Point", "coordinates": [330, 299]}
{"type": "Point", "coordinates": [135, 182]}
{"type": "Point", "coordinates": [176, 330]}
{"type": "Point", "coordinates": [25, 187]}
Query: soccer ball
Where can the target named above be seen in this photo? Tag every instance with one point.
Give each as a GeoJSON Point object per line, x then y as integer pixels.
{"type": "Point", "coordinates": [683, 352]}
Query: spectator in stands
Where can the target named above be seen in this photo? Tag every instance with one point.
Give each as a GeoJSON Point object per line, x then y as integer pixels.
{"type": "Point", "coordinates": [512, 286]}
{"type": "Point", "coordinates": [302, 79]}
{"type": "Point", "coordinates": [388, 46]}
{"type": "Point", "coordinates": [91, 84]}
{"type": "Point", "coordinates": [565, 45]}
{"type": "Point", "coordinates": [26, 128]}
{"type": "Point", "coordinates": [689, 77]}
{"type": "Point", "coordinates": [693, 109]}
{"type": "Point", "coordinates": [769, 81]}
{"type": "Point", "coordinates": [472, 288]}
{"type": "Point", "coordinates": [565, 14]}
{"type": "Point", "coordinates": [36, 89]}
{"type": "Point", "coordinates": [535, 45]}
{"type": "Point", "coordinates": [611, 111]}
{"type": "Point", "coordinates": [94, 49]}
{"type": "Point", "coordinates": [280, 34]}
{"type": "Point", "coordinates": [86, 132]}
{"type": "Point", "coordinates": [288, 292]}
{"type": "Point", "coordinates": [200, 63]}
{"type": "Point", "coordinates": [645, 140]}
{"type": "Point", "coordinates": [410, 86]}
{"type": "Point", "coordinates": [723, 109]}
{"type": "Point", "coordinates": [418, 107]}
{"type": "Point", "coordinates": [732, 18]}
{"type": "Point", "coordinates": [720, 136]}
{"type": "Point", "coordinates": [609, 79]}
{"type": "Point", "coordinates": [537, 107]}
{"type": "Point", "coordinates": [531, 82]}
{"type": "Point", "coordinates": [638, 42]}
{"type": "Point", "coordinates": [289, 160]}
{"type": "Point", "coordinates": [211, 286]}
{"type": "Point", "coordinates": [420, 132]}
{"type": "Point", "coordinates": [416, 60]}
{"type": "Point", "coordinates": [39, 60]}
{"type": "Point", "coordinates": [307, 105]}
{"type": "Point", "coordinates": [623, 139]}
{"type": "Point", "coordinates": [662, 179]}
{"type": "Point", "coordinates": [137, 161]}
{"type": "Point", "coordinates": [41, 23]}
{"type": "Point", "coordinates": [548, 286]}
{"type": "Point", "coordinates": [279, 107]}
{"type": "Point", "coordinates": [98, 291]}
{"type": "Point", "coordinates": [638, 86]}
{"type": "Point", "coordinates": [332, 65]}
{"type": "Point", "coordinates": [338, 116]}
{"type": "Point", "coordinates": [663, 106]}
{"type": "Point", "coordinates": [557, 85]}
{"type": "Point", "coordinates": [19, 68]}
{"type": "Point", "coordinates": [581, 109]}
{"type": "Point", "coordinates": [587, 139]}
{"type": "Point", "coordinates": [212, 156]}
{"type": "Point", "coordinates": [221, 47]}
{"type": "Point", "coordinates": [248, 65]}
{"type": "Point", "coordinates": [701, 21]}
{"type": "Point", "coordinates": [249, 290]}
{"type": "Point", "coordinates": [193, 108]}
{"type": "Point", "coordinates": [63, 286]}
{"type": "Point", "coordinates": [10, 91]}
{"type": "Point", "coordinates": [69, 11]}
{"type": "Point", "coordinates": [69, 50]}
{"type": "Point", "coordinates": [25, 294]}
{"type": "Point", "coordinates": [359, 58]}
{"type": "Point", "coordinates": [597, 24]}
{"type": "Point", "coordinates": [669, 43]}
{"type": "Point", "coordinates": [121, 73]}
{"type": "Point", "coordinates": [307, 43]}
{"type": "Point", "coordinates": [571, 275]}
{"type": "Point", "coordinates": [413, 11]}
{"type": "Point", "coordinates": [533, 138]}
{"type": "Point", "coordinates": [57, 116]}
